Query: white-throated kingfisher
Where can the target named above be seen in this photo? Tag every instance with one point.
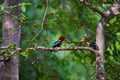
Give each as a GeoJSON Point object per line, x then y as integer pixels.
{"type": "Point", "coordinates": [58, 43]}
{"type": "Point", "coordinates": [91, 44]}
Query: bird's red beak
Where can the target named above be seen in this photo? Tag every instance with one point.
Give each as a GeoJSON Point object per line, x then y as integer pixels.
{"type": "Point", "coordinates": [66, 41]}
{"type": "Point", "coordinates": [81, 40]}
{"type": "Point", "coordinates": [85, 40]}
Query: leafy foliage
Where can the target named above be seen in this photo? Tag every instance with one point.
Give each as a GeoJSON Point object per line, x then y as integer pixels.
{"type": "Point", "coordinates": [74, 20]}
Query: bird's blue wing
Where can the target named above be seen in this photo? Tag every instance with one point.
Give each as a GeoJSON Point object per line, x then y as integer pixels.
{"type": "Point", "coordinates": [56, 43]}
{"type": "Point", "coordinates": [93, 44]}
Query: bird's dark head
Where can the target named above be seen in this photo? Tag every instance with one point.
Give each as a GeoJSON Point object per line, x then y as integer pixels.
{"type": "Point", "coordinates": [85, 40]}
{"type": "Point", "coordinates": [62, 38]}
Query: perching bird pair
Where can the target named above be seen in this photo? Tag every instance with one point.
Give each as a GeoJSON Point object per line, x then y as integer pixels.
{"type": "Point", "coordinates": [58, 43]}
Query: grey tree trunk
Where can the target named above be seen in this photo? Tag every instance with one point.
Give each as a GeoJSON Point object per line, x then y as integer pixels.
{"type": "Point", "coordinates": [100, 39]}
{"type": "Point", "coordinates": [11, 35]}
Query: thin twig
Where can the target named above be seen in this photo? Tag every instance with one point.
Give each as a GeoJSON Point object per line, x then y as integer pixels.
{"type": "Point", "coordinates": [94, 9]}
{"type": "Point", "coordinates": [42, 24]}
{"type": "Point", "coordinates": [27, 21]}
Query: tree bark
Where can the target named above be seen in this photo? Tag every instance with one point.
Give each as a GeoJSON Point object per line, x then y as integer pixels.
{"type": "Point", "coordinates": [11, 35]}
{"type": "Point", "coordinates": [100, 39]}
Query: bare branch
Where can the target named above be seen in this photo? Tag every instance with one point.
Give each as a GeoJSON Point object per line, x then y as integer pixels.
{"type": "Point", "coordinates": [94, 8]}
{"type": "Point", "coordinates": [42, 24]}
{"type": "Point", "coordinates": [15, 50]}
{"type": "Point", "coordinates": [54, 49]}
{"type": "Point", "coordinates": [95, 52]}
{"type": "Point", "coordinates": [62, 49]}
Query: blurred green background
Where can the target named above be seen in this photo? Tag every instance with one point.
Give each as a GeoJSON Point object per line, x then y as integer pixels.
{"type": "Point", "coordinates": [74, 20]}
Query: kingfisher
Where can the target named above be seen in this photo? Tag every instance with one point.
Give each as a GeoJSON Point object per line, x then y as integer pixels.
{"type": "Point", "coordinates": [58, 43]}
{"type": "Point", "coordinates": [90, 43]}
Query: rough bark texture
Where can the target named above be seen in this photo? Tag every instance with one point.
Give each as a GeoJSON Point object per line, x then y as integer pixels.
{"type": "Point", "coordinates": [10, 35]}
{"type": "Point", "coordinates": [100, 39]}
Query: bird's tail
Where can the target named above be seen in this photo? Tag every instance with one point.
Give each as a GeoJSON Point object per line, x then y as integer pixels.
{"type": "Point", "coordinates": [96, 48]}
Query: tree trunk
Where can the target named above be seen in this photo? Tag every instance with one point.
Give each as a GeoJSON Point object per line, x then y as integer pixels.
{"type": "Point", "coordinates": [100, 39]}
{"type": "Point", "coordinates": [11, 35]}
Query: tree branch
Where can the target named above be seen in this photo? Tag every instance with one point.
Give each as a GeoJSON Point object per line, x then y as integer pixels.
{"type": "Point", "coordinates": [62, 49]}
{"type": "Point", "coordinates": [3, 49]}
{"type": "Point", "coordinates": [94, 8]}
{"type": "Point", "coordinates": [100, 39]}
{"type": "Point", "coordinates": [95, 52]}
{"type": "Point", "coordinates": [15, 50]}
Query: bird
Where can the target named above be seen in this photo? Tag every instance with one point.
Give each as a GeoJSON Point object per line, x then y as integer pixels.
{"type": "Point", "coordinates": [90, 43]}
{"type": "Point", "coordinates": [58, 43]}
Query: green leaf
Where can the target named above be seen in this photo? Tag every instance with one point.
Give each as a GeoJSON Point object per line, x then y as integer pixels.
{"type": "Point", "coordinates": [113, 20]}
{"type": "Point", "coordinates": [23, 7]}
{"type": "Point", "coordinates": [118, 34]}
{"type": "Point", "coordinates": [2, 8]}
{"type": "Point", "coordinates": [25, 54]}
{"type": "Point", "coordinates": [1, 1]}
